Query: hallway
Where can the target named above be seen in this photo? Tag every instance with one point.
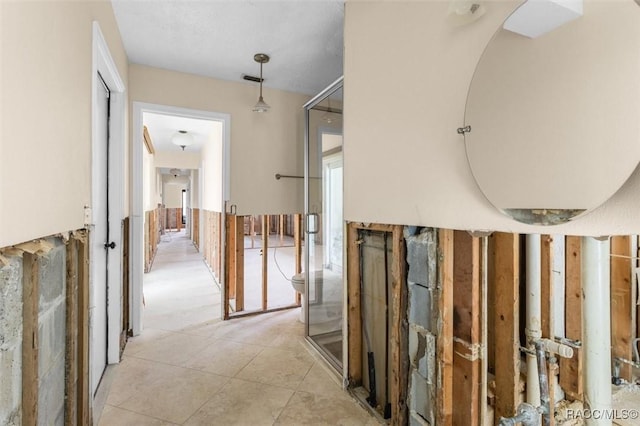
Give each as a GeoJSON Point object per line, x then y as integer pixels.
{"type": "Point", "coordinates": [190, 368]}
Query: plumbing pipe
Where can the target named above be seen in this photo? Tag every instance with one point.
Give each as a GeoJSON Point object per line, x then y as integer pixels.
{"type": "Point", "coordinates": [558, 273]}
{"type": "Point", "coordinates": [596, 327]}
{"type": "Point", "coordinates": [484, 358]}
{"type": "Point", "coordinates": [534, 315]}
{"type": "Point", "coordinates": [527, 414]}
{"type": "Point", "coordinates": [543, 380]}
{"type": "Point", "coordinates": [565, 351]}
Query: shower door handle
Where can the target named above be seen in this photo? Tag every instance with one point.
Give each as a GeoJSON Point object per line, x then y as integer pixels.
{"type": "Point", "coordinates": [312, 225]}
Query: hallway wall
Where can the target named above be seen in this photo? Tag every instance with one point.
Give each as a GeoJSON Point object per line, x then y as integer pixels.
{"type": "Point", "coordinates": [46, 115]}
{"type": "Point", "coordinates": [261, 144]}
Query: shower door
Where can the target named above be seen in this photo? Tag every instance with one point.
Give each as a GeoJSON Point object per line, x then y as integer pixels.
{"type": "Point", "coordinates": [323, 223]}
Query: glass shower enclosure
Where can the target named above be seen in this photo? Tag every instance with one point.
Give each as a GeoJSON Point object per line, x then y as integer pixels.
{"type": "Point", "coordinates": [324, 226]}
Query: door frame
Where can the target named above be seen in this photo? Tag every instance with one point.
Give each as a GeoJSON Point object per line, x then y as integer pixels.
{"type": "Point", "coordinates": [137, 194]}
{"type": "Point", "coordinates": [103, 63]}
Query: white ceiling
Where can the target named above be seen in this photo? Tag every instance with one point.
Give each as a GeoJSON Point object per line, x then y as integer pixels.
{"type": "Point", "coordinates": [162, 127]}
{"type": "Point", "coordinates": [218, 38]}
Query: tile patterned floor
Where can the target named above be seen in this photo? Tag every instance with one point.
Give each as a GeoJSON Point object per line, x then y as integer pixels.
{"type": "Point", "coordinates": [189, 368]}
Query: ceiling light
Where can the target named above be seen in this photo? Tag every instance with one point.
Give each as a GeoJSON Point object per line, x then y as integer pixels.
{"type": "Point", "coordinates": [182, 139]}
{"type": "Point", "coordinates": [261, 105]}
{"type": "Point", "coordinates": [328, 116]}
{"type": "Point", "coordinates": [463, 12]}
{"type": "Point", "coordinates": [175, 172]}
{"type": "Point", "coordinates": [535, 18]}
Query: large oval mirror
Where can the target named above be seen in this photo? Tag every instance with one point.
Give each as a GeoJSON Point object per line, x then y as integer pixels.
{"type": "Point", "coordinates": [555, 120]}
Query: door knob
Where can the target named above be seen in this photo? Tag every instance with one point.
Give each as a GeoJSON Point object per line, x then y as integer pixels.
{"type": "Point", "coordinates": [110, 245]}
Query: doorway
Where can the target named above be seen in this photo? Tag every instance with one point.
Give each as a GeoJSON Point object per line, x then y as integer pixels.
{"type": "Point", "coordinates": [105, 215]}
{"type": "Point", "coordinates": [200, 173]}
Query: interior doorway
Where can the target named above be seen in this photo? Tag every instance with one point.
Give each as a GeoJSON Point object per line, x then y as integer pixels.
{"type": "Point", "coordinates": [104, 217]}
{"type": "Point", "coordinates": [197, 170]}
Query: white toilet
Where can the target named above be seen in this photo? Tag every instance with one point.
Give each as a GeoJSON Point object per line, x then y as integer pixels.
{"type": "Point", "coordinates": [297, 281]}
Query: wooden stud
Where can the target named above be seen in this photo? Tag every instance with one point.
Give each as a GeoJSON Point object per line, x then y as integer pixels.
{"type": "Point", "coordinates": [466, 329]}
{"type": "Point", "coordinates": [399, 330]}
{"type": "Point", "coordinates": [547, 319]}
{"type": "Point", "coordinates": [228, 270]}
{"type": "Point", "coordinates": [30, 297]}
{"type": "Point", "coordinates": [239, 263]}
{"type": "Point", "coordinates": [71, 337]}
{"type": "Point", "coordinates": [546, 279]}
{"type": "Point", "coordinates": [265, 259]}
{"type": "Point", "coordinates": [571, 369]}
{"type": "Point", "coordinates": [84, 391]}
{"type": "Point", "coordinates": [444, 411]}
{"type": "Point", "coordinates": [354, 324]}
{"type": "Point", "coordinates": [297, 240]}
{"type": "Point", "coordinates": [507, 319]}
{"type": "Point", "coordinates": [252, 230]}
{"type": "Point", "coordinates": [281, 230]}
{"type": "Point", "coordinates": [232, 259]}
{"type": "Point", "coordinates": [621, 302]}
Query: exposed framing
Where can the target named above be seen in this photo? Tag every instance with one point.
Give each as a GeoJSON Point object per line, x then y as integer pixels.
{"type": "Point", "coordinates": [506, 253]}
{"type": "Point", "coordinates": [444, 342]}
{"type": "Point", "coordinates": [398, 356]}
{"type": "Point", "coordinates": [234, 252]}
{"type": "Point", "coordinates": [571, 369]}
{"type": "Point", "coordinates": [137, 208]}
{"type": "Point", "coordinates": [466, 328]}
{"type": "Point", "coordinates": [30, 297]}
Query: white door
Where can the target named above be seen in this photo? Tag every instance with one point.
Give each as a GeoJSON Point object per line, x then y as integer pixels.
{"type": "Point", "coordinates": [99, 240]}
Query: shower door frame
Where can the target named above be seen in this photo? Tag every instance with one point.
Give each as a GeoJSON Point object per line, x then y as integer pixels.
{"type": "Point", "coordinates": [339, 368]}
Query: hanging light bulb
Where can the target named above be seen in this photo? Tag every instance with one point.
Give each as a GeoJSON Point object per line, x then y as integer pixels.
{"type": "Point", "coordinates": [261, 105]}
{"type": "Point", "coordinates": [328, 116]}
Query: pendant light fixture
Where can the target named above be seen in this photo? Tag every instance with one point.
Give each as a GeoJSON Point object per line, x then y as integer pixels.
{"type": "Point", "coordinates": [261, 105]}
{"type": "Point", "coordinates": [328, 116]}
{"type": "Point", "coordinates": [182, 139]}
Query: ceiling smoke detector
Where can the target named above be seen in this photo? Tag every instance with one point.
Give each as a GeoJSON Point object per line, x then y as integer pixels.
{"type": "Point", "coordinates": [463, 12]}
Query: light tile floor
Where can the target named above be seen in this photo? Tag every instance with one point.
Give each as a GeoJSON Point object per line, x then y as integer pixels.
{"type": "Point", "coordinates": [190, 368]}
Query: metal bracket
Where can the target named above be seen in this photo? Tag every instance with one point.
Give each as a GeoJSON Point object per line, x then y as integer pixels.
{"type": "Point", "coordinates": [464, 130]}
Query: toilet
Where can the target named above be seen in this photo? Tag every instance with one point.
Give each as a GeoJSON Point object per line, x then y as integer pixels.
{"type": "Point", "coordinates": [297, 281]}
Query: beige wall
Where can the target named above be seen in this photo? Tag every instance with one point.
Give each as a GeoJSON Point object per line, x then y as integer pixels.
{"type": "Point", "coordinates": [45, 138]}
{"type": "Point", "coordinates": [177, 159]}
{"type": "Point", "coordinates": [404, 162]}
{"type": "Point", "coordinates": [172, 192]}
{"type": "Point", "coordinates": [261, 144]}
{"type": "Point", "coordinates": [212, 161]}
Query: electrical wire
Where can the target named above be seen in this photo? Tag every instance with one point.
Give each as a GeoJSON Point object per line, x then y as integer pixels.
{"type": "Point", "coordinates": [275, 259]}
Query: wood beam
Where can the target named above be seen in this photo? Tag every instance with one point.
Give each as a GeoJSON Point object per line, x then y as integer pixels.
{"type": "Point", "coordinates": [265, 260]}
{"type": "Point", "coordinates": [571, 369]}
{"type": "Point", "coordinates": [546, 280]}
{"type": "Point", "coordinates": [297, 239]}
{"type": "Point", "coordinates": [444, 410]}
{"type": "Point", "coordinates": [84, 391]}
{"type": "Point", "coordinates": [239, 262]}
{"type": "Point", "coordinates": [354, 324]}
{"type": "Point", "coordinates": [507, 318]}
{"type": "Point", "coordinates": [466, 329]}
{"type": "Point", "coordinates": [399, 330]}
{"type": "Point", "coordinates": [30, 297]}
{"type": "Point", "coordinates": [71, 336]}
{"type": "Point", "coordinates": [621, 302]}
